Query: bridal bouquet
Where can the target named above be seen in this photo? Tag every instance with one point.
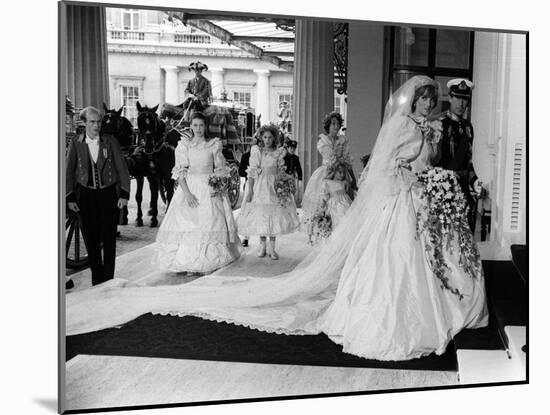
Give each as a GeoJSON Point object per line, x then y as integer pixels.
{"type": "Point", "coordinates": [319, 226]}
{"type": "Point", "coordinates": [285, 187]}
{"type": "Point", "coordinates": [219, 182]}
{"type": "Point", "coordinates": [444, 220]}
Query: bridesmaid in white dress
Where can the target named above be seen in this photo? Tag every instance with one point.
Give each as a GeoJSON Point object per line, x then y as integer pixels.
{"type": "Point", "coordinates": [198, 233]}
{"type": "Point", "coordinates": [330, 145]}
{"type": "Point", "coordinates": [334, 193]}
{"type": "Point", "coordinates": [262, 213]}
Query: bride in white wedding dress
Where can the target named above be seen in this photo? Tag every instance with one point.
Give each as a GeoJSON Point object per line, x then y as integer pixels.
{"type": "Point", "coordinates": [370, 287]}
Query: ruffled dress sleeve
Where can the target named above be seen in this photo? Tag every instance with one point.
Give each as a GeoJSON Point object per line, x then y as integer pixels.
{"type": "Point", "coordinates": [181, 167]}
{"type": "Point", "coordinates": [409, 147]}
{"type": "Point", "coordinates": [254, 169]}
{"type": "Point", "coordinates": [324, 147]}
{"type": "Point", "coordinates": [220, 164]}
{"type": "Point", "coordinates": [406, 152]}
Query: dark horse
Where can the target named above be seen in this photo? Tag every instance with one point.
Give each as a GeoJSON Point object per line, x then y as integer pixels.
{"type": "Point", "coordinates": [154, 159]}
{"type": "Point", "coordinates": [121, 128]}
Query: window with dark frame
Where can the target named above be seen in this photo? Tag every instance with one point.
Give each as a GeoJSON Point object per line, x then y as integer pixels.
{"type": "Point", "coordinates": [288, 99]}
{"type": "Point", "coordinates": [243, 98]}
{"type": "Point", "coordinates": [442, 54]}
{"type": "Point", "coordinates": [130, 19]}
{"type": "Point", "coordinates": [129, 98]}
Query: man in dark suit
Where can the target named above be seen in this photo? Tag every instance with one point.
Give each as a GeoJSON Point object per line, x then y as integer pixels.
{"type": "Point", "coordinates": [97, 186]}
{"type": "Point", "coordinates": [243, 165]}
{"type": "Point", "coordinates": [294, 168]}
{"type": "Point", "coordinates": [457, 140]}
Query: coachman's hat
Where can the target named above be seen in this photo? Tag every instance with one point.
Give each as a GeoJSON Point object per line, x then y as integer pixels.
{"type": "Point", "coordinates": [198, 65]}
{"type": "Point", "coordinates": [460, 87]}
{"type": "Point", "coordinates": [292, 143]}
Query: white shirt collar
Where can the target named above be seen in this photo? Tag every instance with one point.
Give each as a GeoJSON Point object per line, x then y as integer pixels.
{"type": "Point", "coordinates": [92, 140]}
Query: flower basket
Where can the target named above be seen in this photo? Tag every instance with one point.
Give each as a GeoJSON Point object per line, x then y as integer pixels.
{"type": "Point", "coordinates": [219, 182]}
{"type": "Point", "coordinates": [285, 188]}
{"type": "Point", "coordinates": [319, 226]}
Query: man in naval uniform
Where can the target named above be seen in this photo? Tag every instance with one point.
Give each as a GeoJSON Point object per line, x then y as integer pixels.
{"type": "Point", "coordinates": [457, 140]}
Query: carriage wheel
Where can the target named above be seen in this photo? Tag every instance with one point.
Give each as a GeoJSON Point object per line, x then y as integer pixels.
{"type": "Point", "coordinates": [234, 186]}
{"type": "Point", "coordinates": [75, 248]}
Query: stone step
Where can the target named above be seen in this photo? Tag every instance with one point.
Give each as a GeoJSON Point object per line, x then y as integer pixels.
{"type": "Point", "coordinates": [487, 366]}
{"type": "Point", "coordinates": [517, 337]}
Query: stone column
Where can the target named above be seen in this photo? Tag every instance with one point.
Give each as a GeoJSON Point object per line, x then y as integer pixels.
{"type": "Point", "coordinates": [217, 82]}
{"type": "Point", "coordinates": [262, 94]}
{"type": "Point", "coordinates": [313, 91]}
{"type": "Point", "coordinates": [171, 95]}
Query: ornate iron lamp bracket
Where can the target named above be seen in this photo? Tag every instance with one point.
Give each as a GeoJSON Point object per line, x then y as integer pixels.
{"type": "Point", "coordinates": [341, 34]}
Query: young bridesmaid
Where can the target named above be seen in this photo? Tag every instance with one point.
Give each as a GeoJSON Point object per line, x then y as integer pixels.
{"type": "Point", "coordinates": [334, 192]}
{"type": "Point", "coordinates": [262, 212]}
{"type": "Point", "coordinates": [198, 233]}
{"type": "Point", "coordinates": [330, 145]}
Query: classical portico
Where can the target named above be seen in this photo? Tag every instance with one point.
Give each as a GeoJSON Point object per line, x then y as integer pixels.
{"type": "Point", "coordinates": [225, 79]}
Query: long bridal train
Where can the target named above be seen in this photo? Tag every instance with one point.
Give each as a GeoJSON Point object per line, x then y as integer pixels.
{"type": "Point", "coordinates": [370, 287]}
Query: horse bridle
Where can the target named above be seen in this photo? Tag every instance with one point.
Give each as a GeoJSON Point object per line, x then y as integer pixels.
{"type": "Point", "coordinates": [110, 116]}
{"type": "Point", "coordinates": [157, 147]}
{"type": "Point", "coordinates": [146, 114]}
